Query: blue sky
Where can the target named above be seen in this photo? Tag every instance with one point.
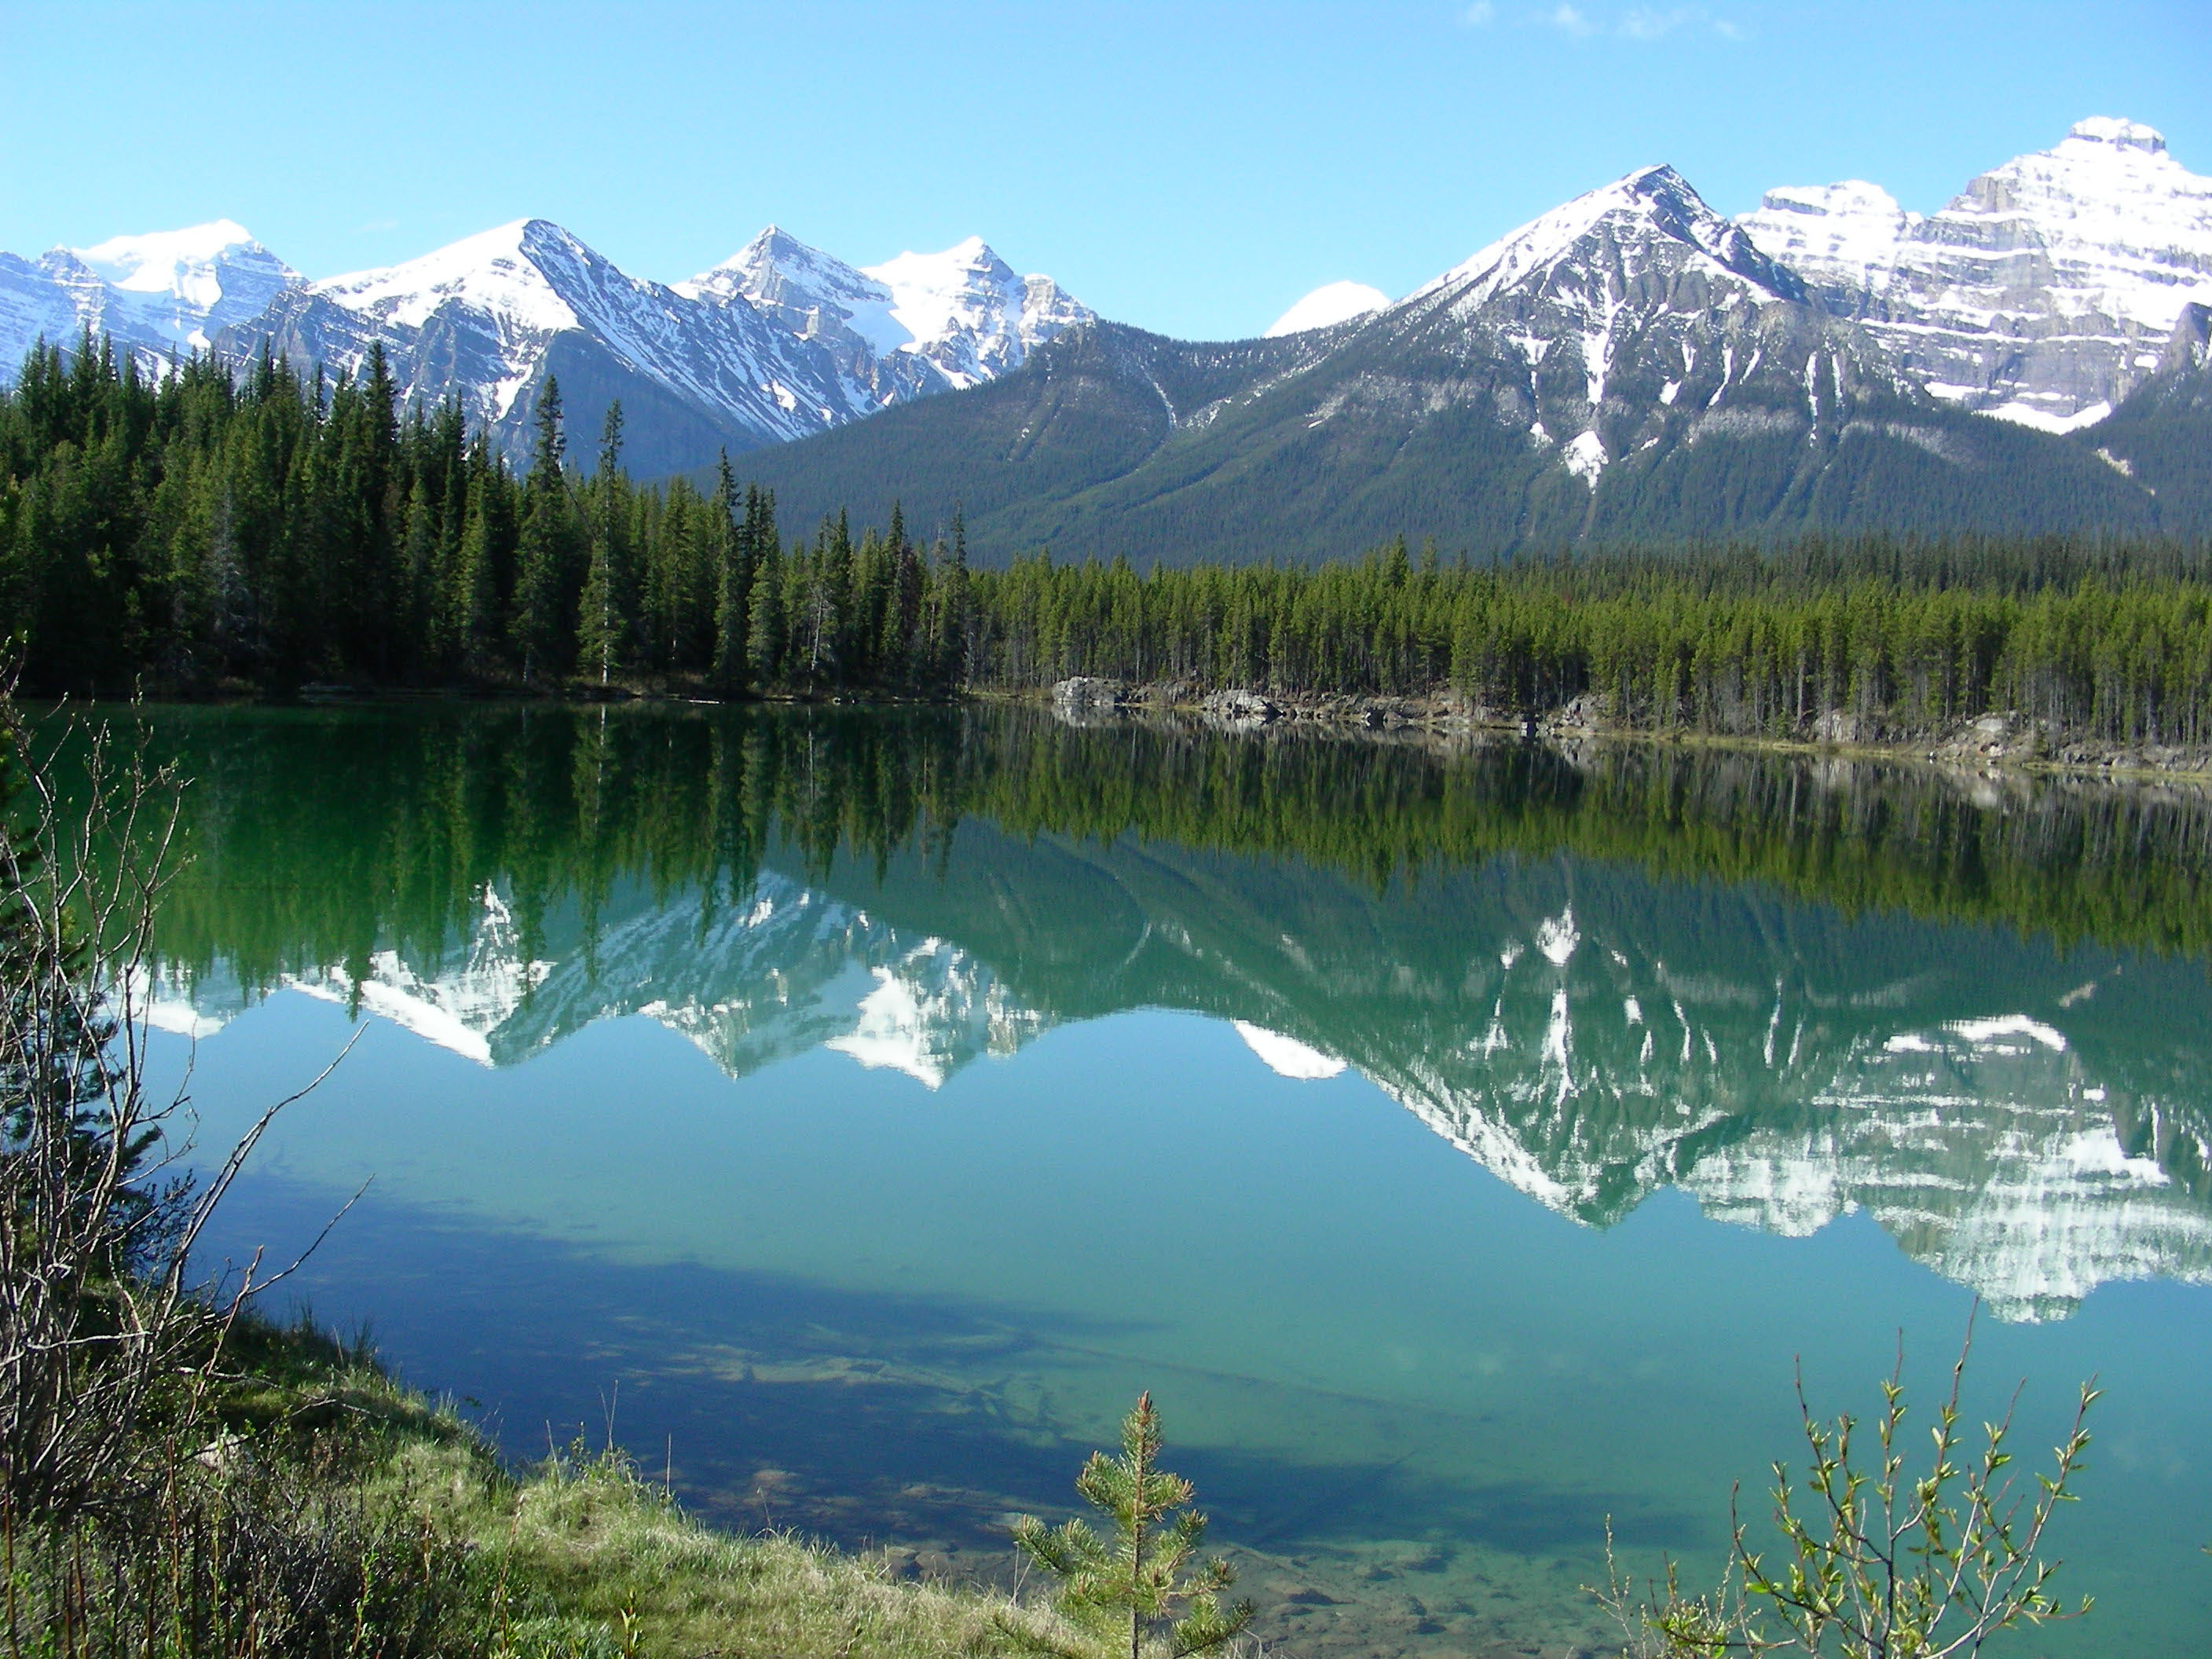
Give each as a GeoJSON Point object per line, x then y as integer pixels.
{"type": "Point", "coordinates": [1188, 168]}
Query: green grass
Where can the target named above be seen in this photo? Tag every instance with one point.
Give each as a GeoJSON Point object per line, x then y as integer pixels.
{"type": "Point", "coordinates": [351, 1515]}
{"type": "Point", "coordinates": [581, 1555]}
{"type": "Point", "coordinates": [609, 1553]}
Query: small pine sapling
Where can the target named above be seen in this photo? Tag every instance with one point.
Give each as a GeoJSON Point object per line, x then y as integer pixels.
{"type": "Point", "coordinates": [1132, 1583]}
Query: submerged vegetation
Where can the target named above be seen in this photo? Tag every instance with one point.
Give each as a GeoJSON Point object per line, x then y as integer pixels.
{"type": "Point", "coordinates": [262, 529]}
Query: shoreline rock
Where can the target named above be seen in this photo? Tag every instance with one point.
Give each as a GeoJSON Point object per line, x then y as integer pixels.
{"type": "Point", "coordinates": [1992, 741]}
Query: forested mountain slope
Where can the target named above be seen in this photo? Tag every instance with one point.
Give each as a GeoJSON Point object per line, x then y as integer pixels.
{"type": "Point", "coordinates": [2161, 435]}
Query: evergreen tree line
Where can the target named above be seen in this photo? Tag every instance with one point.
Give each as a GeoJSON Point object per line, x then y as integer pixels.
{"type": "Point", "coordinates": [211, 527]}
{"type": "Point", "coordinates": [2112, 641]}
{"type": "Point", "coordinates": [215, 526]}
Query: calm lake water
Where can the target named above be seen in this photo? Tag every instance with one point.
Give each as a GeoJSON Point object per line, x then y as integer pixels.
{"type": "Point", "coordinates": [859, 1108]}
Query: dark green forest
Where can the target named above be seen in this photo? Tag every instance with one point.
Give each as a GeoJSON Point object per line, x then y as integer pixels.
{"type": "Point", "coordinates": [218, 531]}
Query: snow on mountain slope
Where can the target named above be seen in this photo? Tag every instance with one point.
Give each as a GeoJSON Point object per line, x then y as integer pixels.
{"type": "Point", "coordinates": [489, 319]}
{"type": "Point", "coordinates": [509, 269]}
{"type": "Point", "coordinates": [2044, 294]}
{"type": "Point", "coordinates": [779, 341]}
{"type": "Point", "coordinates": [160, 294]}
{"type": "Point", "coordinates": [188, 285]}
{"type": "Point", "coordinates": [964, 312]}
{"type": "Point", "coordinates": [1327, 306]}
{"type": "Point", "coordinates": [1635, 318]}
{"type": "Point", "coordinates": [1655, 199]}
{"type": "Point", "coordinates": [51, 298]}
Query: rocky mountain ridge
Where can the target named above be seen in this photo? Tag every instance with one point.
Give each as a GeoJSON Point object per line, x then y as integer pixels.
{"type": "Point", "coordinates": [778, 342]}
{"type": "Point", "coordinates": [1630, 364]}
{"type": "Point", "coordinates": [2044, 293]}
{"type": "Point", "coordinates": [1631, 368]}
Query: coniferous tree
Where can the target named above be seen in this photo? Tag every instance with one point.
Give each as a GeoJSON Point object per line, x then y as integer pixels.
{"type": "Point", "coordinates": [282, 527]}
{"type": "Point", "coordinates": [476, 605]}
{"type": "Point", "coordinates": [732, 543]}
{"type": "Point", "coordinates": [605, 624]}
{"type": "Point", "coordinates": [1127, 1588]}
{"type": "Point", "coordinates": [765, 621]}
{"type": "Point", "coordinates": [542, 636]}
{"type": "Point", "coordinates": [951, 648]}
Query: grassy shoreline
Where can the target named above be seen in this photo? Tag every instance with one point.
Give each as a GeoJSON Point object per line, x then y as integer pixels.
{"type": "Point", "coordinates": [432, 1545]}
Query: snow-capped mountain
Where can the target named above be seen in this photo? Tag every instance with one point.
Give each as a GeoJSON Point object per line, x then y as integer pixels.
{"type": "Point", "coordinates": [963, 313]}
{"type": "Point", "coordinates": [160, 296]}
{"type": "Point", "coordinates": [489, 319]}
{"type": "Point", "coordinates": [1629, 367]}
{"type": "Point", "coordinates": [780, 342]}
{"type": "Point", "coordinates": [1635, 317]}
{"type": "Point", "coordinates": [2044, 294]}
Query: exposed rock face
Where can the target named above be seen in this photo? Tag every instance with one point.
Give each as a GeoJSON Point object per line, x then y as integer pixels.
{"type": "Point", "coordinates": [1629, 367]}
{"type": "Point", "coordinates": [2044, 294]}
{"type": "Point", "coordinates": [1634, 318]}
{"type": "Point", "coordinates": [923, 322]}
{"type": "Point", "coordinates": [1239, 708]}
{"type": "Point", "coordinates": [1087, 692]}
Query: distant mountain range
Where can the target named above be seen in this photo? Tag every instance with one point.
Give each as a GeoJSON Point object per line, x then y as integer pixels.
{"type": "Point", "coordinates": [1630, 366]}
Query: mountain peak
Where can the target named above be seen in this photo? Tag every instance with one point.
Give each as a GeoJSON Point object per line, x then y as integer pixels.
{"type": "Point", "coordinates": [501, 270]}
{"type": "Point", "coordinates": [167, 290]}
{"type": "Point", "coordinates": [2042, 294]}
{"type": "Point", "coordinates": [967, 311]}
{"type": "Point", "coordinates": [2118, 133]}
{"type": "Point", "coordinates": [788, 278]}
{"type": "Point", "coordinates": [957, 266]}
{"type": "Point", "coordinates": [159, 261]}
{"type": "Point", "coordinates": [1650, 201]}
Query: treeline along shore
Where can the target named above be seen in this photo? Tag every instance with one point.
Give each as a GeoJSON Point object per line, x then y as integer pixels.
{"type": "Point", "coordinates": [215, 530]}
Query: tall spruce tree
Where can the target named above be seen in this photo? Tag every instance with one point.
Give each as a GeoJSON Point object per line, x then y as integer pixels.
{"type": "Point", "coordinates": [542, 633]}
{"type": "Point", "coordinates": [605, 622]}
{"type": "Point", "coordinates": [764, 612]}
{"type": "Point", "coordinates": [733, 547]}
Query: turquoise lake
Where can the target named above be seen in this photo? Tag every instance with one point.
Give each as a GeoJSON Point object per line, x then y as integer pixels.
{"type": "Point", "coordinates": [1465, 1145]}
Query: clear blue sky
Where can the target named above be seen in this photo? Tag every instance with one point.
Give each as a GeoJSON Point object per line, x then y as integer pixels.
{"type": "Point", "coordinates": [1188, 168]}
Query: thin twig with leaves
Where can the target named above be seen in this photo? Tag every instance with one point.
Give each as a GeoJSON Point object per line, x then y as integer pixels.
{"type": "Point", "coordinates": [1885, 1563]}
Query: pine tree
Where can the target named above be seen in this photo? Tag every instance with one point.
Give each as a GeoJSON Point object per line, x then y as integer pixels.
{"type": "Point", "coordinates": [952, 602]}
{"type": "Point", "coordinates": [764, 620]}
{"type": "Point", "coordinates": [543, 556]}
{"type": "Point", "coordinates": [1126, 1589]}
{"type": "Point", "coordinates": [420, 619]}
{"type": "Point", "coordinates": [605, 625]}
{"type": "Point", "coordinates": [477, 600]}
{"type": "Point", "coordinates": [733, 545]}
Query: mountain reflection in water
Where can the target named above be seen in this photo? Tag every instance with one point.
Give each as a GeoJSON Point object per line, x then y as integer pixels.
{"type": "Point", "coordinates": [1976, 1009]}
